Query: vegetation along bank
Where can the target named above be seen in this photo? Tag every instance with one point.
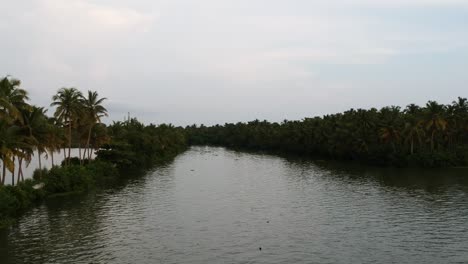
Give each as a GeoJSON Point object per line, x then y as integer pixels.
{"type": "Point", "coordinates": [433, 135]}
{"type": "Point", "coordinates": [26, 130]}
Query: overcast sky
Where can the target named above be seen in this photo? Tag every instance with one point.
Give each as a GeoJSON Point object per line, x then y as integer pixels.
{"type": "Point", "coordinates": [217, 61]}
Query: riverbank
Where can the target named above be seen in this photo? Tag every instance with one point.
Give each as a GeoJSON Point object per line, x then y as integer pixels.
{"type": "Point", "coordinates": [133, 146]}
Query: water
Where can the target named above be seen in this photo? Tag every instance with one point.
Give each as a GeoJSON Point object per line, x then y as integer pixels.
{"type": "Point", "coordinates": [212, 205]}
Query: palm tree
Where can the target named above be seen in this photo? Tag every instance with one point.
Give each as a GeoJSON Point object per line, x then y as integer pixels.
{"type": "Point", "coordinates": [54, 138]}
{"type": "Point", "coordinates": [434, 119]}
{"type": "Point", "coordinates": [11, 142]}
{"type": "Point", "coordinates": [68, 103]}
{"type": "Point", "coordinates": [460, 117]}
{"type": "Point", "coordinates": [37, 127]}
{"type": "Point", "coordinates": [390, 125]}
{"type": "Point", "coordinates": [413, 129]}
{"type": "Point", "coordinates": [94, 111]}
{"type": "Point", "coordinates": [12, 99]}
{"type": "Point", "coordinates": [12, 102]}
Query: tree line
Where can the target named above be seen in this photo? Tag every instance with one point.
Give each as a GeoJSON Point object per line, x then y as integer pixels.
{"type": "Point", "coordinates": [26, 132]}
{"type": "Point", "coordinates": [430, 135]}
{"type": "Point", "coordinates": [26, 129]}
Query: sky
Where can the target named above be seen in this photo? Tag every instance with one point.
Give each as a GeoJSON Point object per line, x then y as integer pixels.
{"type": "Point", "coordinates": [218, 61]}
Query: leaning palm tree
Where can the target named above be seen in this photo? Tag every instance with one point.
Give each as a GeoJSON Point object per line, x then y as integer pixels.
{"type": "Point", "coordinates": [68, 103]}
{"type": "Point", "coordinates": [10, 145]}
{"type": "Point", "coordinates": [93, 112]}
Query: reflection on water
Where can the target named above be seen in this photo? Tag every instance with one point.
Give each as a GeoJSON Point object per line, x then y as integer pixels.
{"type": "Point", "coordinates": [212, 205]}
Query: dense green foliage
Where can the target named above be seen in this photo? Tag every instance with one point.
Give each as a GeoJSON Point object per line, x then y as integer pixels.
{"type": "Point", "coordinates": [133, 145]}
{"type": "Point", "coordinates": [26, 129]}
{"type": "Point", "coordinates": [14, 199]}
{"type": "Point", "coordinates": [433, 135]}
{"type": "Point", "coordinates": [136, 145]}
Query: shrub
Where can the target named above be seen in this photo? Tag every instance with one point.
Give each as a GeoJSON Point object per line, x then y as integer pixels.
{"type": "Point", "coordinates": [39, 173]}
{"type": "Point", "coordinates": [102, 171]}
{"type": "Point", "coordinates": [68, 179]}
{"type": "Point", "coordinates": [8, 202]}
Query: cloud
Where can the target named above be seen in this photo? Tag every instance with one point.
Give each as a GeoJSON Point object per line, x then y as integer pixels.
{"type": "Point", "coordinates": [392, 3]}
{"type": "Point", "coordinates": [88, 16]}
{"type": "Point", "coordinates": [187, 59]}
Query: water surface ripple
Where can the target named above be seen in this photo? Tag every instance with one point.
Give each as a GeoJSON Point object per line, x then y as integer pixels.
{"type": "Point", "coordinates": [213, 205]}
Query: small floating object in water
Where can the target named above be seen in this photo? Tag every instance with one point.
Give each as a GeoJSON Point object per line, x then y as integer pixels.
{"type": "Point", "coordinates": [268, 222]}
{"type": "Point", "coordinates": [260, 248]}
{"type": "Point", "coordinates": [38, 186]}
{"type": "Point", "coordinates": [192, 170]}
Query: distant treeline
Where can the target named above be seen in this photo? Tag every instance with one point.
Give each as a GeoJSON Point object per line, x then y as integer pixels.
{"type": "Point", "coordinates": [432, 135]}
{"type": "Point", "coordinates": [136, 145]}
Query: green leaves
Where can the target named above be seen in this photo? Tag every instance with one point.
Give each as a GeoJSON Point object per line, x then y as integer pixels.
{"type": "Point", "coordinates": [389, 136]}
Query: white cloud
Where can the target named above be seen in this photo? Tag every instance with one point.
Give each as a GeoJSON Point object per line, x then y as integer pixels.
{"type": "Point", "coordinates": [88, 16]}
{"type": "Point", "coordinates": [204, 54]}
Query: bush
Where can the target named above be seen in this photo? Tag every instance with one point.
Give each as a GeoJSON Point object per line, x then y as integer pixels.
{"type": "Point", "coordinates": [39, 173]}
{"type": "Point", "coordinates": [432, 160]}
{"type": "Point", "coordinates": [72, 161]}
{"type": "Point", "coordinates": [13, 199]}
{"type": "Point", "coordinates": [8, 202]}
{"type": "Point", "coordinates": [68, 179]}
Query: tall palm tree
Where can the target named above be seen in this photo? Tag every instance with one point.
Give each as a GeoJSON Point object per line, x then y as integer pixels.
{"type": "Point", "coordinates": [93, 111]}
{"type": "Point", "coordinates": [11, 142]}
{"type": "Point", "coordinates": [37, 127]}
{"type": "Point", "coordinates": [12, 99]}
{"type": "Point", "coordinates": [54, 138]}
{"type": "Point", "coordinates": [413, 131]}
{"type": "Point", "coordinates": [460, 117]}
{"type": "Point", "coordinates": [434, 119]}
{"type": "Point", "coordinates": [68, 103]}
{"type": "Point", "coordinates": [12, 102]}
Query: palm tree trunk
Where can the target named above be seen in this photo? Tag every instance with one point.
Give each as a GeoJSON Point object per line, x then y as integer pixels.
{"type": "Point", "coordinates": [40, 165]}
{"type": "Point", "coordinates": [13, 174]}
{"type": "Point", "coordinates": [432, 140]}
{"type": "Point", "coordinates": [22, 175]}
{"type": "Point", "coordinates": [52, 157]}
{"type": "Point", "coordinates": [4, 173]}
{"type": "Point", "coordinates": [85, 152]}
{"type": "Point", "coordinates": [69, 140]}
{"type": "Point", "coordinates": [20, 169]}
{"type": "Point", "coordinates": [412, 145]}
{"type": "Point", "coordinates": [64, 154]}
{"type": "Point", "coordinates": [79, 151]}
{"type": "Point", "coordinates": [88, 141]}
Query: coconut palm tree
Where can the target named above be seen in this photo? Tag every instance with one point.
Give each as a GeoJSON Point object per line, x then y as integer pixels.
{"type": "Point", "coordinates": [12, 103]}
{"type": "Point", "coordinates": [434, 119]}
{"type": "Point", "coordinates": [12, 99]}
{"type": "Point", "coordinates": [68, 103]}
{"type": "Point", "coordinates": [36, 124]}
{"type": "Point", "coordinates": [54, 138]}
{"type": "Point", "coordinates": [93, 112]}
{"type": "Point", "coordinates": [460, 118]}
{"type": "Point", "coordinates": [11, 143]}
